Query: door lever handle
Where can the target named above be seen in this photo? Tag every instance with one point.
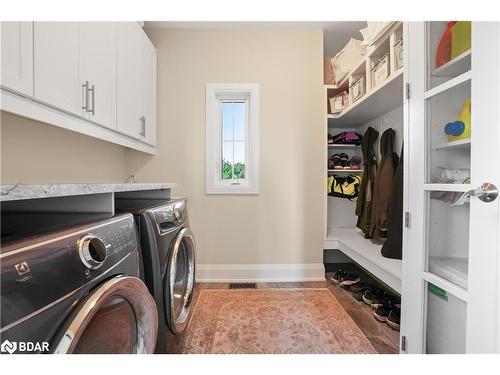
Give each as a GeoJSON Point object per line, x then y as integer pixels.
{"type": "Point", "coordinates": [486, 192]}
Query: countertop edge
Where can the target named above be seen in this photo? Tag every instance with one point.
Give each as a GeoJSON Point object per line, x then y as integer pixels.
{"type": "Point", "coordinates": [24, 191]}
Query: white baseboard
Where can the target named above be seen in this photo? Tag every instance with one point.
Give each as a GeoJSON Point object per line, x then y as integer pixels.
{"type": "Point", "coordinates": [217, 273]}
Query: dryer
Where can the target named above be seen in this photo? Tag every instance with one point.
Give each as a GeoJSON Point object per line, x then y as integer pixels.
{"type": "Point", "coordinates": [77, 290]}
{"type": "Point", "coordinates": [169, 261]}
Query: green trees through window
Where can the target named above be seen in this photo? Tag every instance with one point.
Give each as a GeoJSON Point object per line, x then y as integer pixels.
{"type": "Point", "coordinates": [228, 173]}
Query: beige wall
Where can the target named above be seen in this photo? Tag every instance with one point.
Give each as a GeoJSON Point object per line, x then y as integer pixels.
{"type": "Point", "coordinates": [33, 152]}
{"type": "Point", "coordinates": [284, 223]}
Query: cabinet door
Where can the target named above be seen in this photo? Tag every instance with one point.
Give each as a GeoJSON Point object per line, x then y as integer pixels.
{"type": "Point", "coordinates": [451, 270]}
{"type": "Point", "coordinates": [98, 68]}
{"type": "Point", "coordinates": [128, 80]}
{"type": "Point", "coordinates": [17, 56]}
{"type": "Point", "coordinates": [148, 82]}
{"type": "Point", "coordinates": [56, 65]}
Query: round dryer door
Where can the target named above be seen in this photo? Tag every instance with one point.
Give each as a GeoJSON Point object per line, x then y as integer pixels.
{"type": "Point", "coordinates": [180, 280]}
{"type": "Point", "coordinates": [120, 316]}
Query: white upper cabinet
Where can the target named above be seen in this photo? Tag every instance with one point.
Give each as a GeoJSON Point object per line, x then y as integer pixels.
{"type": "Point", "coordinates": [95, 78]}
{"type": "Point", "coordinates": [128, 79]}
{"type": "Point", "coordinates": [17, 56]}
{"type": "Point", "coordinates": [148, 69]}
{"type": "Point", "coordinates": [98, 72]}
{"type": "Point", "coordinates": [57, 65]}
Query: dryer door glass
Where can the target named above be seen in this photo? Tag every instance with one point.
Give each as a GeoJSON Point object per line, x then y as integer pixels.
{"type": "Point", "coordinates": [119, 316]}
{"type": "Point", "coordinates": [113, 329]}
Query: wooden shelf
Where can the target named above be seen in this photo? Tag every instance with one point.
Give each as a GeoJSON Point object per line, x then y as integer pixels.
{"type": "Point", "coordinates": [455, 145]}
{"type": "Point", "coordinates": [455, 67]}
{"type": "Point", "coordinates": [367, 254]}
{"type": "Point", "coordinates": [345, 171]}
{"type": "Point", "coordinates": [385, 97]}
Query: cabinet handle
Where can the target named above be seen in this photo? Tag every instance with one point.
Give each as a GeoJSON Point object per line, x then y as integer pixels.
{"type": "Point", "coordinates": [86, 96]}
{"type": "Point", "coordinates": [93, 100]}
{"type": "Point", "coordinates": [142, 119]}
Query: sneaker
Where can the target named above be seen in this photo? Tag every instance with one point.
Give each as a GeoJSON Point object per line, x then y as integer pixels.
{"type": "Point", "coordinates": [355, 163]}
{"type": "Point", "coordinates": [393, 319]}
{"type": "Point", "coordinates": [330, 139]}
{"type": "Point", "coordinates": [337, 276]}
{"type": "Point", "coordinates": [348, 279]}
{"type": "Point", "coordinates": [384, 299]}
{"type": "Point", "coordinates": [357, 290]}
{"type": "Point", "coordinates": [334, 162]}
{"type": "Point", "coordinates": [370, 295]}
{"type": "Point", "coordinates": [382, 312]}
{"type": "Point", "coordinates": [344, 160]}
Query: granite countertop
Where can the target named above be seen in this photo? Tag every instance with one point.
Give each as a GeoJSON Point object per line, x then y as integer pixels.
{"type": "Point", "coordinates": [21, 191]}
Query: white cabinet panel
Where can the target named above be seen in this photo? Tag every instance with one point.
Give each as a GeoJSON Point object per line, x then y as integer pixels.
{"type": "Point", "coordinates": [57, 65]}
{"type": "Point", "coordinates": [98, 67]}
{"type": "Point", "coordinates": [148, 70]}
{"type": "Point", "coordinates": [17, 56]}
{"type": "Point", "coordinates": [128, 79]}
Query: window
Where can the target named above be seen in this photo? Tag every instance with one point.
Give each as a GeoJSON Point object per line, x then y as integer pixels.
{"type": "Point", "coordinates": [232, 139]}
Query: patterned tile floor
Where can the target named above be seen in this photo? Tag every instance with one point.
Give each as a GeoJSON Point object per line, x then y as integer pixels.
{"type": "Point", "coordinates": [384, 339]}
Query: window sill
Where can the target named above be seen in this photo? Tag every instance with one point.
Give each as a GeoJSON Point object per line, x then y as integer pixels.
{"type": "Point", "coordinates": [232, 189]}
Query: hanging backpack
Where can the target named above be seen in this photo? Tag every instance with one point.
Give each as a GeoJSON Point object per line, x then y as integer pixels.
{"type": "Point", "coordinates": [344, 187]}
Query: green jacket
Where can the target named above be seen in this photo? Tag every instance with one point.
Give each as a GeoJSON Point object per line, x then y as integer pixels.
{"type": "Point", "coordinates": [364, 202]}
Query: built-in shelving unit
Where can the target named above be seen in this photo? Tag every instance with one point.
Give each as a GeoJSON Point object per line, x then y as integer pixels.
{"type": "Point", "coordinates": [367, 254]}
{"type": "Point", "coordinates": [382, 99]}
{"type": "Point", "coordinates": [379, 100]}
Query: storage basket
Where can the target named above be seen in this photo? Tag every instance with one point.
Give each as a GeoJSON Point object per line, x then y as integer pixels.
{"type": "Point", "coordinates": [339, 102]}
{"type": "Point", "coordinates": [347, 59]}
{"type": "Point", "coordinates": [398, 54]}
{"type": "Point", "coordinates": [357, 88]}
{"type": "Point", "coordinates": [380, 70]}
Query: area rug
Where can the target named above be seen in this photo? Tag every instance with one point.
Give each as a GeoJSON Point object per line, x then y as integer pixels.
{"type": "Point", "coordinates": [272, 322]}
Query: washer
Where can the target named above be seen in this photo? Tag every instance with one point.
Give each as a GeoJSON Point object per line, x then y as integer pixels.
{"type": "Point", "coordinates": [169, 262]}
{"type": "Point", "coordinates": [78, 290]}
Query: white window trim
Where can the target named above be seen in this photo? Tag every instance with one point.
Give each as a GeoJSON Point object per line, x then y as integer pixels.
{"type": "Point", "coordinates": [213, 135]}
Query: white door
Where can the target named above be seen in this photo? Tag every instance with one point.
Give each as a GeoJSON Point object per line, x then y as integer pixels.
{"type": "Point", "coordinates": [451, 263]}
{"type": "Point", "coordinates": [57, 65]}
{"type": "Point", "coordinates": [17, 56]}
{"type": "Point", "coordinates": [148, 82]}
{"type": "Point", "coordinates": [128, 79]}
{"type": "Point", "coordinates": [98, 71]}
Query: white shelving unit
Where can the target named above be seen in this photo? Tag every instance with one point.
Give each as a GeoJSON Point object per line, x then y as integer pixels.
{"type": "Point", "coordinates": [385, 97]}
{"type": "Point", "coordinates": [367, 254]}
{"type": "Point", "coordinates": [378, 108]}
{"type": "Point", "coordinates": [345, 171]}
{"type": "Point", "coordinates": [343, 146]}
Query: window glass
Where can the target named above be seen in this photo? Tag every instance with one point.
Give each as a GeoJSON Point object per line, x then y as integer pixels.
{"type": "Point", "coordinates": [233, 128]}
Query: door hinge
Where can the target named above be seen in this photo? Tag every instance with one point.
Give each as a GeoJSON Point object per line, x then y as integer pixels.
{"type": "Point", "coordinates": [407, 91]}
{"type": "Point", "coordinates": [407, 219]}
{"type": "Point", "coordinates": [403, 343]}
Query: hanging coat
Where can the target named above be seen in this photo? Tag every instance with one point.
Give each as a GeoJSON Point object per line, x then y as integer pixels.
{"type": "Point", "coordinates": [364, 202]}
{"type": "Point", "coordinates": [383, 185]}
{"type": "Point", "coordinates": [393, 246]}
